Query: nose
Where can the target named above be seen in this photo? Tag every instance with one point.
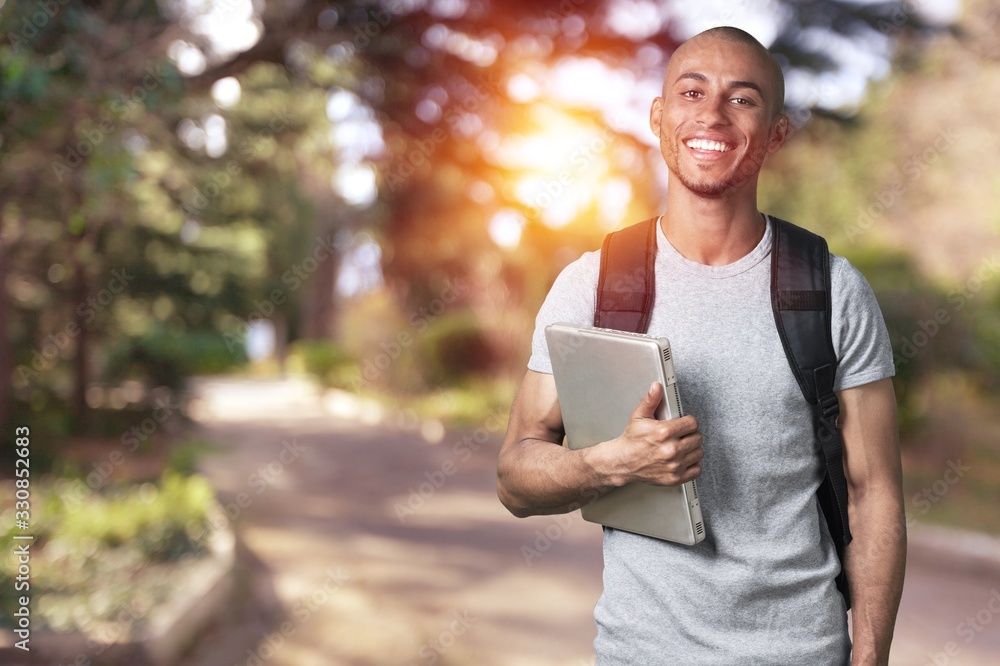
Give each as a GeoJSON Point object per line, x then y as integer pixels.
{"type": "Point", "coordinates": [712, 111]}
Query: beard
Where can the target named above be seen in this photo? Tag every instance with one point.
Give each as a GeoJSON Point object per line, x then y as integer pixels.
{"type": "Point", "coordinates": [707, 185]}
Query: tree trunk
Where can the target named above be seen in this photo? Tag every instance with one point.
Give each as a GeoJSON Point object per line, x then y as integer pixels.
{"type": "Point", "coordinates": [6, 352]}
{"type": "Point", "coordinates": [80, 361]}
{"type": "Point", "coordinates": [319, 302]}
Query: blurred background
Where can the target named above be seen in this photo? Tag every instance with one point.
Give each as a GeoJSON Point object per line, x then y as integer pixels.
{"type": "Point", "coordinates": [269, 271]}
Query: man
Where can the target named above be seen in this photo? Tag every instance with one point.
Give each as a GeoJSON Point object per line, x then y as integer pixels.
{"type": "Point", "coordinates": [760, 588]}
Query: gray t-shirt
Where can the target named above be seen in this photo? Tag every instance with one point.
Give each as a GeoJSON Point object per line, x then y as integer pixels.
{"type": "Point", "coordinates": [760, 588]}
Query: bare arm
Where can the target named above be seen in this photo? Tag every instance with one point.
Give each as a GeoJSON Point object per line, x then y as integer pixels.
{"type": "Point", "coordinates": [876, 557]}
{"type": "Point", "coordinates": [535, 475]}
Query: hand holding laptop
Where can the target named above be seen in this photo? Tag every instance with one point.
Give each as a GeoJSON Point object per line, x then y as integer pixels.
{"type": "Point", "coordinates": [664, 453]}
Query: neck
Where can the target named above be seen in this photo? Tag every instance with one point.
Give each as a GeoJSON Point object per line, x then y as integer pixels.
{"type": "Point", "coordinates": [712, 231]}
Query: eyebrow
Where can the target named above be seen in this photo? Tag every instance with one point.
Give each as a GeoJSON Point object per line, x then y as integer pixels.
{"type": "Point", "coordinates": [697, 76]}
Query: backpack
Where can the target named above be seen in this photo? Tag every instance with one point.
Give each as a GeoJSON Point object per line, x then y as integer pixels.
{"type": "Point", "coordinates": [800, 300]}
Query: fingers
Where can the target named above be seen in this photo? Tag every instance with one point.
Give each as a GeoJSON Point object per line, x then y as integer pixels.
{"type": "Point", "coordinates": [681, 427]}
{"type": "Point", "coordinates": [646, 409]}
{"type": "Point", "coordinates": [681, 470]}
{"type": "Point", "coordinates": [682, 453]}
{"type": "Point", "coordinates": [690, 474]}
{"type": "Point", "coordinates": [660, 452]}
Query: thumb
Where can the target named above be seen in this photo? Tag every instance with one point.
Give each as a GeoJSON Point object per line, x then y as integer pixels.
{"type": "Point", "coordinates": [646, 409]}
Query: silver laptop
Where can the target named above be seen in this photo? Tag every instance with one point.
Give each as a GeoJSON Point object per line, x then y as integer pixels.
{"type": "Point", "coordinates": [601, 375]}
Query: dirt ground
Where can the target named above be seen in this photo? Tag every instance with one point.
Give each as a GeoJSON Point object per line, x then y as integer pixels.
{"type": "Point", "coordinates": [365, 544]}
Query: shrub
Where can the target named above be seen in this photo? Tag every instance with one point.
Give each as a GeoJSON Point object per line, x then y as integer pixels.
{"type": "Point", "coordinates": [325, 360]}
{"type": "Point", "coordinates": [103, 544]}
{"type": "Point", "coordinates": [455, 348]}
{"type": "Point", "coordinates": [167, 358]}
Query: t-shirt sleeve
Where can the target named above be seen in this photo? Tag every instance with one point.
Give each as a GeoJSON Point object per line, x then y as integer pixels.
{"type": "Point", "coordinates": [571, 301]}
{"type": "Point", "coordinates": [860, 337]}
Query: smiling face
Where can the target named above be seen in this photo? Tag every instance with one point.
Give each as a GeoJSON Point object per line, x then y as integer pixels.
{"type": "Point", "coordinates": [719, 115]}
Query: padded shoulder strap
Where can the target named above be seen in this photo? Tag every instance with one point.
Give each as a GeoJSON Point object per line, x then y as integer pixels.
{"type": "Point", "coordinates": [800, 298]}
{"type": "Point", "coordinates": [625, 286]}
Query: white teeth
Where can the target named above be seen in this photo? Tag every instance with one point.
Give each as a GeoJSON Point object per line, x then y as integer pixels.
{"type": "Point", "coordinates": [704, 144]}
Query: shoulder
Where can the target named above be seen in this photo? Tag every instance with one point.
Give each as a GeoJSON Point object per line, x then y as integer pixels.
{"type": "Point", "coordinates": [580, 274]}
{"type": "Point", "coordinates": [860, 337]}
{"type": "Point", "coordinates": [570, 300]}
{"type": "Point", "coordinates": [845, 279]}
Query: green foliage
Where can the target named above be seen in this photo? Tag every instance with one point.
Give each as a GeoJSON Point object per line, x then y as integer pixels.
{"type": "Point", "coordinates": [455, 348]}
{"type": "Point", "coordinates": [183, 457]}
{"type": "Point", "coordinates": [469, 404]}
{"type": "Point", "coordinates": [92, 546]}
{"type": "Point", "coordinates": [325, 360]}
{"type": "Point", "coordinates": [986, 332]}
{"type": "Point", "coordinates": [929, 334]}
{"type": "Point", "coordinates": [164, 358]}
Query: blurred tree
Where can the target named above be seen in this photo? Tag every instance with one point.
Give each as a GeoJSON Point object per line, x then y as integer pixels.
{"type": "Point", "coordinates": [133, 209]}
{"type": "Point", "coordinates": [118, 156]}
{"type": "Point", "coordinates": [437, 75]}
{"type": "Point", "coordinates": [67, 91]}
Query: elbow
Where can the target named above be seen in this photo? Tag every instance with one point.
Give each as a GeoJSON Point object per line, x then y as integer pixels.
{"type": "Point", "coordinates": [509, 499]}
{"type": "Point", "coordinates": [516, 509]}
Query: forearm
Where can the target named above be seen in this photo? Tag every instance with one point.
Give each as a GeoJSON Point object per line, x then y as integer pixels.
{"type": "Point", "coordinates": [538, 477]}
{"type": "Point", "coordinates": [875, 564]}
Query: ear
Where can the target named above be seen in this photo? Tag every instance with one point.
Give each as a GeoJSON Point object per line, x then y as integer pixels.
{"type": "Point", "coordinates": [655, 115]}
{"type": "Point", "coordinates": [779, 132]}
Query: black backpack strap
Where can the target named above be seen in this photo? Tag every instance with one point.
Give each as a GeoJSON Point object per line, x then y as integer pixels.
{"type": "Point", "coordinates": [625, 285]}
{"type": "Point", "coordinates": [800, 298]}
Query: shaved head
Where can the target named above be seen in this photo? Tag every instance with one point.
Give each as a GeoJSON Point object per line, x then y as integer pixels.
{"type": "Point", "coordinates": [721, 112]}
{"type": "Point", "coordinates": [775, 76]}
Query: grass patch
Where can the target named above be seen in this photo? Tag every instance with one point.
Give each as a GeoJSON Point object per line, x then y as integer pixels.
{"type": "Point", "coordinates": [96, 554]}
{"type": "Point", "coordinates": [184, 456]}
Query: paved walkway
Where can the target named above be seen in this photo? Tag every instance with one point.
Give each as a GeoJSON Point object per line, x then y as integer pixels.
{"type": "Point", "coordinates": [367, 544]}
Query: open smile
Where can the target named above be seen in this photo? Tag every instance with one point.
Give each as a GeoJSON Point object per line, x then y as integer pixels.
{"type": "Point", "coordinates": [705, 145]}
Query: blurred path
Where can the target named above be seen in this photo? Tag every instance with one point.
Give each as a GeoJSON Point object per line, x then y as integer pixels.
{"type": "Point", "coordinates": [447, 585]}
{"type": "Point", "coordinates": [384, 549]}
